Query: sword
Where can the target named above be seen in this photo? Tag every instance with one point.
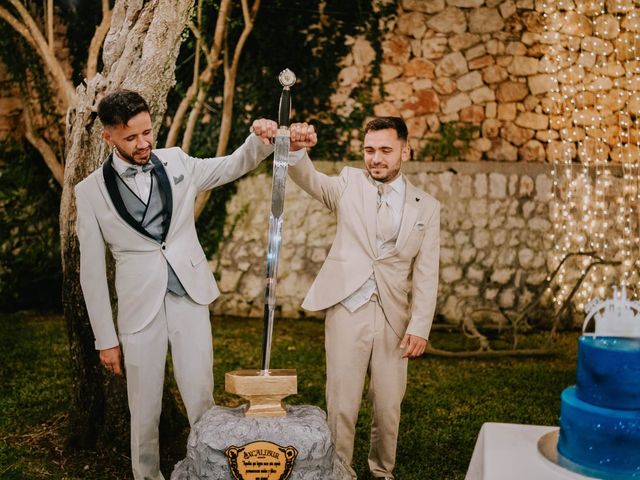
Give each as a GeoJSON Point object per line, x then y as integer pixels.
{"type": "Point", "coordinates": [280, 164]}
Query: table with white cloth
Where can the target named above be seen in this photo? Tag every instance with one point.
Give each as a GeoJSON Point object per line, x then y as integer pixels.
{"type": "Point", "coordinates": [507, 451]}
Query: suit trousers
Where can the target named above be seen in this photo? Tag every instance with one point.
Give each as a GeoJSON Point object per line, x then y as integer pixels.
{"type": "Point", "coordinates": [185, 326]}
{"type": "Point", "coordinates": [357, 343]}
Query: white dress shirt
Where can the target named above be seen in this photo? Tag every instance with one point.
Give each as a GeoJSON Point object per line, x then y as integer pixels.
{"type": "Point", "coordinates": [395, 199]}
{"type": "Point", "coordinates": [140, 184]}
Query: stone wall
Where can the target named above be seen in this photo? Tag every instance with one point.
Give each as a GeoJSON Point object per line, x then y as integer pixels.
{"type": "Point", "coordinates": [504, 65]}
{"type": "Point", "coordinates": [495, 233]}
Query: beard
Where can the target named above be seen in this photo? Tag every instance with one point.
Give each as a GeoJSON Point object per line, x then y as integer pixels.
{"type": "Point", "coordinates": [131, 158]}
{"type": "Point", "coordinates": [383, 175]}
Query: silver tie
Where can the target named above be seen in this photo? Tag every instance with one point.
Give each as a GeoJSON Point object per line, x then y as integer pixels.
{"type": "Point", "coordinates": [385, 213]}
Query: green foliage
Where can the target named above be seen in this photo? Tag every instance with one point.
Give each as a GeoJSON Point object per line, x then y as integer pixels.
{"type": "Point", "coordinates": [446, 403]}
{"type": "Point", "coordinates": [291, 34]}
{"type": "Point", "coordinates": [30, 271]}
{"type": "Point", "coordinates": [452, 142]}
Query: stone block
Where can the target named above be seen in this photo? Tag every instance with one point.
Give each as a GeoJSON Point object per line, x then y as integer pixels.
{"type": "Point", "coordinates": [475, 274]}
{"type": "Point", "coordinates": [426, 6]}
{"type": "Point", "coordinates": [481, 62]}
{"type": "Point", "coordinates": [456, 103]}
{"type": "Point", "coordinates": [444, 86]}
{"type": "Point", "coordinates": [511, 91]}
{"type": "Point", "coordinates": [502, 276]}
{"type": "Point", "coordinates": [389, 72]}
{"type": "Point", "coordinates": [468, 254]}
{"type": "Point", "coordinates": [482, 95]}
{"type": "Point", "coordinates": [411, 24]}
{"type": "Point", "coordinates": [532, 151]}
{"type": "Point", "coordinates": [451, 274]}
{"type": "Point", "coordinates": [398, 90]}
{"type": "Point", "coordinates": [419, 67]}
{"type": "Point", "coordinates": [475, 52]}
{"type": "Point", "coordinates": [450, 20]}
{"type": "Point", "coordinates": [516, 135]}
{"type": "Point", "coordinates": [507, 111]}
{"type": "Point", "coordinates": [462, 41]}
{"type": "Point", "coordinates": [507, 298]}
{"type": "Point", "coordinates": [480, 185]}
{"type": "Point", "coordinates": [502, 151]}
{"type": "Point", "coordinates": [469, 81]}
{"type": "Point", "coordinates": [453, 64]}
{"type": "Point", "coordinates": [396, 50]}
{"type": "Point", "coordinates": [473, 114]}
{"type": "Point", "coordinates": [532, 120]}
{"type": "Point", "coordinates": [485, 20]}
{"type": "Point", "coordinates": [523, 66]}
{"type": "Point", "coordinates": [497, 185]}
{"type": "Point", "coordinates": [304, 428]}
{"type": "Point", "coordinates": [466, 3]}
{"type": "Point", "coordinates": [481, 237]}
{"type": "Point", "coordinates": [433, 48]}
{"type": "Point", "coordinates": [363, 52]}
{"type": "Point", "coordinates": [494, 74]}
{"type": "Point", "coordinates": [423, 102]}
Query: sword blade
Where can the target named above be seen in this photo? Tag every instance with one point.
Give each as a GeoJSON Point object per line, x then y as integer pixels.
{"type": "Point", "coordinates": [280, 166]}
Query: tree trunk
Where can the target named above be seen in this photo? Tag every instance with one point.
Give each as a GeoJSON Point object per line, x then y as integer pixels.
{"type": "Point", "coordinates": [139, 53]}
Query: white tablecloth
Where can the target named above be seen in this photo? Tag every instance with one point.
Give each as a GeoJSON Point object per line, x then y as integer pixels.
{"type": "Point", "coordinates": [506, 451]}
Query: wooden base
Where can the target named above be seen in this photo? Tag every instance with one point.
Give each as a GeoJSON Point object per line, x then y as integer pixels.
{"type": "Point", "coordinates": [264, 392]}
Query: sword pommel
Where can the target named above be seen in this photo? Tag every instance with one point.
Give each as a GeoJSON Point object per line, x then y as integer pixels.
{"type": "Point", "coordinates": [287, 79]}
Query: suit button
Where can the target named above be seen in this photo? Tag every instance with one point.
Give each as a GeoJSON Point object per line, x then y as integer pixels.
{"type": "Point", "coordinates": [164, 246]}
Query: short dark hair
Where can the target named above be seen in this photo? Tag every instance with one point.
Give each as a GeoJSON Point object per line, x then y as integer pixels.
{"type": "Point", "coordinates": [384, 123]}
{"type": "Point", "coordinates": [120, 106]}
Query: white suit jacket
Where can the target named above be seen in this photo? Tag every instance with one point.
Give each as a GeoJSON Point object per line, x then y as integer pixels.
{"type": "Point", "coordinates": [141, 261]}
{"type": "Point", "coordinates": [406, 276]}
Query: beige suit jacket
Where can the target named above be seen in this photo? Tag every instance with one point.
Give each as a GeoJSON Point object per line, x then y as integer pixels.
{"type": "Point", "coordinates": [141, 262]}
{"type": "Point", "coordinates": [406, 276]}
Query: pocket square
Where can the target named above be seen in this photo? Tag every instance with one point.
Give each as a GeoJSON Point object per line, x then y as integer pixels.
{"type": "Point", "coordinates": [177, 180]}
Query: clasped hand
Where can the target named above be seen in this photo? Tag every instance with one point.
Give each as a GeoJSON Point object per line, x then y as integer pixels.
{"type": "Point", "coordinates": [302, 135]}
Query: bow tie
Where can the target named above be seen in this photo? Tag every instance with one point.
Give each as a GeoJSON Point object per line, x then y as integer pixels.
{"type": "Point", "coordinates": [132, 171]}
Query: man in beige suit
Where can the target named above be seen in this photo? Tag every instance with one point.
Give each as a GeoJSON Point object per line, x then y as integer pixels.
{"type": "Point", "coordinates": [378, 283]}
{"type": "Point", "coordinates": [140, 204]}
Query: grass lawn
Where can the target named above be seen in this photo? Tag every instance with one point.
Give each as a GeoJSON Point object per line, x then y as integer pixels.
{"type": "Point", "coordinates": [446, 403]}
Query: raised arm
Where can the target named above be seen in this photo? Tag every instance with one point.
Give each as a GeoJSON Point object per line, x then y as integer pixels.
{"type": "Point", "coordinates": [213, 172]}
{"type": "Point", "coordinates": [327, 189]}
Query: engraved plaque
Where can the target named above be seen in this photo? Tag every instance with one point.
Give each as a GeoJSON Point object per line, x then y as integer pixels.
{"type": "Point", "coordinates": [261, 461]}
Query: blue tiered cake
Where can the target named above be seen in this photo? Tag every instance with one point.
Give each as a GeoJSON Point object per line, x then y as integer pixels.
{"type": "Point", "coordinates": [600, 416]}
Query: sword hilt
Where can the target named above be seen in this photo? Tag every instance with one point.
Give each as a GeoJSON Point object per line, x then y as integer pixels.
{"type": "Point", "coordinates": [287, 79]}
{"type": "Point", "coordinates": [284, 110]}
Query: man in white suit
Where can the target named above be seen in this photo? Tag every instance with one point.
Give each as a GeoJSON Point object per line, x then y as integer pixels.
{"type": "Point", "coordinates": [140, 204]}
{"type": "Point", "coordinates": [378, 283]}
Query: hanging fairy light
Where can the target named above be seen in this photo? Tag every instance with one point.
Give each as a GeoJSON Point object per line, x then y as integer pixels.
{"type": "Point", "coordinates": [596, 172]}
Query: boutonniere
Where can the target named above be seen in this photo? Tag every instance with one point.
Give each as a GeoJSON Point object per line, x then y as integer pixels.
{"type": "Point", "coordinates": [177, 180]}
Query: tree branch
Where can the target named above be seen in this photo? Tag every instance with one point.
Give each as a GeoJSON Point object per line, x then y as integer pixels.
{"type": "Point", "coordinates": [50, 24]}
{"type": "Point", "coordinates": [47, 56]}
{"type": "Point", "coordinates": [202, 82]}
{"type": "Point", "coordinates": [230, 74]}
{"type": "Point", "coordinates": [18, 27]}
{"type": "Point", "coordinates": [97, 40]}
{"type": "Point", "coordinates": [49, 156]}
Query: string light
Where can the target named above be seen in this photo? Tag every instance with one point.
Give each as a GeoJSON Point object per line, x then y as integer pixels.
{"type": "Point", "coordinates": [594, 206]}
